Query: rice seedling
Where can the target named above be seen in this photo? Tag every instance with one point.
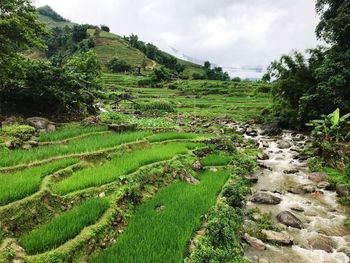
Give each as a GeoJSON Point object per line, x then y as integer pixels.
{"type": "Point", "coordinates": [64, 227]}
{"type": "Point", "coordinates": [69, 132]}
{"type": "Point", "coordinates": [14, 186]}
{"type": "Point", "coordinates": [176, 136]}
{"type": "Point", "coordinates": [161, 228]}
{"type": "Point", "coordinates": [86, 145]}
{"type": "Point", "coordinates": [2, 234]}
{"type": "Point", "coordinates": [121, 165]}
{"type": "Point", "coordinates": [216, 159]}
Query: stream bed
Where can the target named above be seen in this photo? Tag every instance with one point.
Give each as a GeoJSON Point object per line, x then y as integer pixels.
{"type": "Point", "coordinates": [293, 195]}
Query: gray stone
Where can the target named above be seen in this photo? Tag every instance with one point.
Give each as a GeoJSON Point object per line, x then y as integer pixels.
{"type": "Point", "coordinates": [321, 242]}
{"type": "Point", "coordinates": [197, 166]}
{"type": "Point", "coordinates": [324, 185]}
{"type": "Point", "coordinates": [288, 219]}
{"type": "Point", "coordinates": [41, 124]}
{"type": "Point", "coordinates": [252, 178]}
{"type": "Point", "coordinates": [265, 198]}
{"type": "Point", "coordinates": [281, 238]}
{"type": "Point", "coordinates": [254, 242]}
{"type": "Point", "coordinates": [342, 190]}
{"type": "Point", "coordinates": [283, 144]}
{"type": "Point", "coordinates": [317, 177]}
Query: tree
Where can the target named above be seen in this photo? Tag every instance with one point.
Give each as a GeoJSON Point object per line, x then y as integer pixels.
{"type": "Point", "coordinates": [118, 65]}
{"type": "Point", "coordinates": [306, 88]}
{"type": "Point", "coordinates": [207, 65]}
{"type": "Point", "coordinates": [48, 11]}
{"type": "Point", "coordinates": [236, 79]}
{"type": "Point", "coordinates": [105, 28]}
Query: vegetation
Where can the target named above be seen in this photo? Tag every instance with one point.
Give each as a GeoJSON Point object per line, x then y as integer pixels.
{"type": "Point", "coordinates": [64, 227]}
{"type": "Point", "coordinates": [174, 136]}
{"type": "Point", "coordinates": [180, 205]}
{"type": "Point", "coordinates": [14, 186]}
{"type": "Point", "coordinates": [215, 73]}
{"type": "Point", "coordinates": [116, 65]}
{"type": "Point", "coordinates": [86, 145]}
{"type": "Point", "coordinates": [48, 11]}
{"type": "Point", "coordinates": [156, 106]}
{"type": "Point", "coordinates": [307, 88]}
{"type": "Point", "coordinates": [22, 132]}
{"type": "Point", "coordinates": [216, 159]}
{"type": "Point", "coordinates": [121, 165]}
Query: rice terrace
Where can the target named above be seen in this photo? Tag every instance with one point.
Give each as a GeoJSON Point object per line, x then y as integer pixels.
{"type": "Point", "coordinates": [113, 149]}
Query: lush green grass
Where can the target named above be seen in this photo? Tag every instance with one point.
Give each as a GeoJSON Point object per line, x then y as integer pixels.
{"type": "Point", "coordinates": [121, 165]}
{"type": "Point", "coordinates": [336, 176]}
{"type": "Point", "coordinates": [86, 145]}
{"type": "Point", "coordinates": [216, 159]}
{"type": "Point", "coordinates": [176, 136]}
{"type": "Point", "coordinates": [64, 227]}
{"type": "Point", "coordinates": [1, 235]}
{"type": "Point", "coordinates": [14, 186]}
{"type": "Point", "coordinates": [155, 235]}
{"type": "Point", "coordinates": [69, 132]}
{"type": "Point", "coordinates": [347, 223]}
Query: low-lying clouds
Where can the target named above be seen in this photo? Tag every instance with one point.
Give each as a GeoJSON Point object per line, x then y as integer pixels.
{"type": "Point", "coordinates": [240, 34]}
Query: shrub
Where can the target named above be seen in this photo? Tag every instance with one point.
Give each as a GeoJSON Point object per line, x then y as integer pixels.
{"type": "Point", "coordinates": [118, 65]}
{"type": "Point", "coordinates": [235, 193]}
{"type": "Point", "coordinates": [105, 28]}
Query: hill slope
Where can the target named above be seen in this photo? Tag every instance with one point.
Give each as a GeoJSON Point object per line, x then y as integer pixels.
{"type": "Point", "coordinates": [109, 45]}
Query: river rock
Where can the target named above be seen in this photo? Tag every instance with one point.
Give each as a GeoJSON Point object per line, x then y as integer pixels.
{"type": "Point", "coordinates": [41, 124]}
{"type": "Point", "coordinates": [342, 190]}
{"type": "Point", "coordinates": [321, 242]}
{"type": "Point", "coordinates": [197, 166]}
{"type": "Point", "coordinates": [271, 129]}
{"type": "Point", "coordinates": [298, 190]}
{"type": "Point", "coordinates": [291, 171]}
{"type": "Point", "coordinates": [324, 185]}
{"type": "Point", "coordinates": [263, 156]}
{"type": "Point", "coordinates": [254, 242]}
{"type": "Point", "coordinates": [288, 219]}
{"type": "Point", "coordinates": [251, 132]}
{"type": "Point", "coordinates": [122, 127]}
{"type": "Point", "coordinates": [309, 188]}
{"type": "Point", "coordinates": [297, 208]}
{"type": "Point", "coordinates": [282, 238]}
{"type": "Point", "coordinates": [284, 144]}
{"type": "Point", "coordinates": [252, 178]}
{"type": "Point", "coordinates": [265, 198]}
{"type": "Point", "coordinates": [317, 177]}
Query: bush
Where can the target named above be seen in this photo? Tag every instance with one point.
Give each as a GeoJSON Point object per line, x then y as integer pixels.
{"type": "Point", "coordinates": [235, 193]}
{"type": "Point", "coordinates": [118, 65]}
{"type": "Point", "coordinates": [105, 28]}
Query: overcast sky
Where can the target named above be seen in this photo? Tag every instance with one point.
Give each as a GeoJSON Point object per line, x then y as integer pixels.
{"type": "Point", "coordinates": [239, 34]}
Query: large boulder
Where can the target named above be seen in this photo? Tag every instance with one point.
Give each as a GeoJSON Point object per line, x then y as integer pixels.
{"type": "Point", "coordinates": [317, 177]}
{"type": "Point", "coordinates": [288, 219]}
{"type": "Point", "coordinates": [281, 238]}
{"type": "Point", "coordinates": [284, 144]}
{"type": "Point", "coordinates": [342, 190]}
{"type": "Point", "coordinates": [265, 198]}
{"type": "Point", "coordinates": [271, 129]}
{"type": "Point", "coordinates": [321, 242]}
{"type": "Point", "coordinates": [252, 178]}
{"type": "Point", "coordinates": [254, 242]}
{"type": "Point", "coordinates": [41, 124]}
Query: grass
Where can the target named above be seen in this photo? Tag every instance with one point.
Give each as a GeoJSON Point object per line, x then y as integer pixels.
{"type": "Point", "coordinates": [86, 145]}
{"type": "Point", "coordinates": [175, 136]}
{"type": "Point", "coordinates": [347, 224]}
{"type": "Point", "coordinates": [15, 186]}
{"type": "Point", "coordinates": [336, 176]}
{"type": "Point", "coordinates": [2, 234]}
{"type": "Point", "coordinates": [64, 227]}
{"type": "Point", "coordinates": [68, 132]}
{"type": "Point", "coordinates": [121, 165]}
{"type": "Point", "coordinates": [155, 235]}
{"type": "Point", "coordinates": [216, 159]}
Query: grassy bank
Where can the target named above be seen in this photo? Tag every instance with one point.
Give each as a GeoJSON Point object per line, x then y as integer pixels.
{"type": "Point", "coordinates": [14, 186]}
{"type": "Point", "coordinates": [161, 228]}
{"type": "Point", "coordinates": [121, 165]}
{"type": "Point", "coordinates": [93, 143]}
{"type": "Point", "coordinates": [64, 227]}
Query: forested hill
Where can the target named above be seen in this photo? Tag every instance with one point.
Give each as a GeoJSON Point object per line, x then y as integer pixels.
{"type": "Point", "coordinates": [107, 45]}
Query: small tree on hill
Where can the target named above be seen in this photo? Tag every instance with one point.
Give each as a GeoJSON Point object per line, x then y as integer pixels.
{"type": "Point", "coordinates": [105, 28]}
{"type": "Point", "coordinates": [118, 65]}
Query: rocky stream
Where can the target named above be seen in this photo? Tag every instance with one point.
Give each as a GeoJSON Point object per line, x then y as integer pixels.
{"type": "Point", "coordinates": [301, 206]}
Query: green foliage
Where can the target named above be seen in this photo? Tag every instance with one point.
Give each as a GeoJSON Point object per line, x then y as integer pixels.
{"type": "Point", "coordinates": [64, 227]}
{"type": "Point", "coordinates": [220, 244]}
{"type": "Point", "coordinates": [23, 132]}
{"type": "Point", "coordinates": [48, 11]}
{"type": "Point", "coordinates": [117, 65]}
{"type": "Point", "coordinates": [15, 186]}
{"type": "Point", "coordinates": [216, 159]}
{"type": "Point", "coordinates": [69, 131]}
{"type": "Point", "coordinates": [315, 164]}
{"type": "Point", "coordinates": [152, 229]}
{"type": "Point", "coordinates": [236, 79]}
{"type": "Point", "coordinates": [161, 74]}
{"type": "Point", "coordinates": [307, 88]}
{"type": "Point", "coordinates": [215, 73]}
{"type": "Point", "coordinates": [156, 107]}
{"type": "Point", "coordinates": [347, 224]}
{"type": "Point", "coordinates": [175, 136]}
{"type": "Point", "coordinates": [235, 192]}
{"type": "Point", "coordinates": [121, 165]}
{"type": "Point", "coordinates": [105, 28]}
{"type": "Point", "coordinates": [86, 145]}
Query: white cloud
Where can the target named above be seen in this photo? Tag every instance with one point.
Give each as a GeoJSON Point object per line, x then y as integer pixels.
{"type": "Point", "coordinates": [238, 33]}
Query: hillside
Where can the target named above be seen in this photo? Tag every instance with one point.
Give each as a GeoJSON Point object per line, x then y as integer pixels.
{"type": "Point", "coordinates": [109, 45]}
